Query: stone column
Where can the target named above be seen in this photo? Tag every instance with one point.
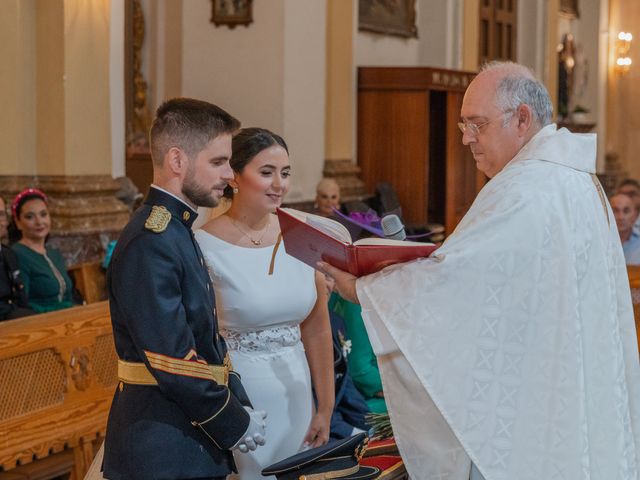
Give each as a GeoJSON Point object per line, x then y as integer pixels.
{"type": "Point", "coordinates": [340, 101]}
{"type": "Point", "coordinates": [56, 126]}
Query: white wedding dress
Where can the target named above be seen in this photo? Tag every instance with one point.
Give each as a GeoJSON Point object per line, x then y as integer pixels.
{"type": "Point", "coordinates": [259, 316]}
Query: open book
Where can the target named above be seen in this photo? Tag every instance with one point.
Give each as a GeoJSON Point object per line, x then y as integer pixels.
{"type": "Point", "coordinates": [311, 238]}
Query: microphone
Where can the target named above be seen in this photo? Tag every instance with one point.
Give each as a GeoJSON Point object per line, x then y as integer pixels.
{"type": "Point", "coordinates": [393, 227]}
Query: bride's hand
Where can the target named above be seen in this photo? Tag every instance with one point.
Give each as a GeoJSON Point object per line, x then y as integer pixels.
{"type": "Point", "coordinates": [318, 433]}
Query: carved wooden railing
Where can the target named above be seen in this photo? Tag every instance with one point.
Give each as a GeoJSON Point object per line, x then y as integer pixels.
{"type": "Point", "coordinates": [58, 372]}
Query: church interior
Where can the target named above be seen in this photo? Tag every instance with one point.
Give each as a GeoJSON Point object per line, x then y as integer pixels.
{"type": "Point", "coordinates": [365, 92]}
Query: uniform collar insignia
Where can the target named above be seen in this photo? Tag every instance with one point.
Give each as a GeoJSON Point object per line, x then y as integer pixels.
{"type": "Point", "coordinates": [176, 208]}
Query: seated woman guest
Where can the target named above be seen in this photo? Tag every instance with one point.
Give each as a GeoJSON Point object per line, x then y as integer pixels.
{"type": "Point", "coordinates": [272, 308]}
{"type": "Point", "coordinates": [47, 285]}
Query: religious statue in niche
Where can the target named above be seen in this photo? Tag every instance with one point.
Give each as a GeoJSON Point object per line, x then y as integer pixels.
{"type": "Point", "coordinates": [231, 12]}
{"type": "Point", "coordinates": [566, 65]}
{"type": "Point", "coordinates": [138, 116]}
{"type": "Point", "coordinates": [573, 73]}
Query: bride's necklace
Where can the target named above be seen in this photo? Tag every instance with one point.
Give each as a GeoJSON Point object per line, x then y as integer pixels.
{"type": "Point", "coordinates": [256, 241]}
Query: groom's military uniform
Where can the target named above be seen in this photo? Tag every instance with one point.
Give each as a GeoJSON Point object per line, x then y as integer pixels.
{"type": "Point", "coordinates": [178, 407]}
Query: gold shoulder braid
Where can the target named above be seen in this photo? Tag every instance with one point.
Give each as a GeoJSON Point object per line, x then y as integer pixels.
{"type": "Point", "coordinates": [158, 219]}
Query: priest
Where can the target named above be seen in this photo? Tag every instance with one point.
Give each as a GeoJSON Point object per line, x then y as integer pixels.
{"type": "Point", "coordinates": [511, 352]}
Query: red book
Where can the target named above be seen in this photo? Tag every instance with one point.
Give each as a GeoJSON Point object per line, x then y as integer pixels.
{"type": "Point", "coordinates": [311, 238]}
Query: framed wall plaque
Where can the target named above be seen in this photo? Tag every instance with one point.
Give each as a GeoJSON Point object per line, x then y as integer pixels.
{"type": "Point", "coordinates": [389, 17]}
{"type": "Point", "coordinates": [231, 12]}
{"type": "Point", "coordinates": [569, 8]}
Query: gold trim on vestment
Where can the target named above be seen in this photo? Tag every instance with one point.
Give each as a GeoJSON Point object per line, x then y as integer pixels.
{"type": "Point", "coordinates": [596, 182]}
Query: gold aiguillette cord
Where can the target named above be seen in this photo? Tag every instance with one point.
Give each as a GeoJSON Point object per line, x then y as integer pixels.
{"type": "Point", "coordinates": [273, 255]}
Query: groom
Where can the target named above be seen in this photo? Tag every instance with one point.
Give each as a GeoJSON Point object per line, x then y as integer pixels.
{"type": "Point", "coordinates": [179, 409]}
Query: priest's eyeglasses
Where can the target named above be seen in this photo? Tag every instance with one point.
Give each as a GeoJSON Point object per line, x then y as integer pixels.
{"type": "Point", "coordinates": [473, 129]}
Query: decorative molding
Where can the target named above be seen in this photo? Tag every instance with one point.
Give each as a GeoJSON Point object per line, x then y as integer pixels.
{"type": "Point", "coordinates": [391, 78]}
{"type": "Point", "coordinates": [453, 80]}
{"type": "Point", "coordinates": [141, 120]}
{"type": "Point", "coordinates": [81, 370]}
{"type": "Point", "coordinates": [347, 175]}
{"type": "Point", "coordinates": [54, 422]}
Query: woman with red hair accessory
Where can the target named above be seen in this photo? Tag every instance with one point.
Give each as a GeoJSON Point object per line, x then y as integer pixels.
{"type": "Point", "coordinates": [47, 284]}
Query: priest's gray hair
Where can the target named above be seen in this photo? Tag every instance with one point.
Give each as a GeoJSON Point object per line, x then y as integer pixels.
{"type": "Point", "coordinates": [519, 86]}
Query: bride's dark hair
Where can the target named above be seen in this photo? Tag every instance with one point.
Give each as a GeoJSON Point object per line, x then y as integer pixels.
{"type": "Point", "coordinates": [248, 143]}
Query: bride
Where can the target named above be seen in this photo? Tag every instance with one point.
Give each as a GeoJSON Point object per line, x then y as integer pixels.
{"type": "Point", "coordinates": [272, 308]}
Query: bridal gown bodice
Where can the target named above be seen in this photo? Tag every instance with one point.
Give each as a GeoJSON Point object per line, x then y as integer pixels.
{"type": "Point", "coordinates": [260, 316]}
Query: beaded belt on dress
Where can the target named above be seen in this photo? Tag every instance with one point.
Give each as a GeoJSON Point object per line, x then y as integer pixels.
{"type": "Point", "coordinates": [267, 340]}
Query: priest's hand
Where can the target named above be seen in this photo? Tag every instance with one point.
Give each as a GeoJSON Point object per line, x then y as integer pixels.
{"type": "Point", "coordinates": [345, 283]}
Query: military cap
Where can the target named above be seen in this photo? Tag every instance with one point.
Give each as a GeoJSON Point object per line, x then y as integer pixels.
{"type": "Point", "coordinates": [336, 460]}
{"type": "Point", "coordinates": [387, 446]}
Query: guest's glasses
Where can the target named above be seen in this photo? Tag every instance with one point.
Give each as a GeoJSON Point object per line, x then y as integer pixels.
{"type": "Point", "coordinates": [473, 129]}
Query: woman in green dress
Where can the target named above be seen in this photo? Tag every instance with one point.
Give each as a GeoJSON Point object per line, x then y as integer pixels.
{"type": "Point", "coordinates": [47, 284]}
{"type": "Point", "coordinates": [363, 365]}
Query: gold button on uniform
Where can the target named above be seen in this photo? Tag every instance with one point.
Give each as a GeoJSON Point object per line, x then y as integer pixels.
{"type": "Point", "coordinates": [186, 215]}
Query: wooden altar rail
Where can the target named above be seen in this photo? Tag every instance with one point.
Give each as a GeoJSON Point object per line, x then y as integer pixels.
{"type": "Point", "coordinates": [58, 372]}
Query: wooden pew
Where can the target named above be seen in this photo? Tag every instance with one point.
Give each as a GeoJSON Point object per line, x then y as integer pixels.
{"type": "Point", "coordinates": [90, 280]}
{"type": "Point", "coordinates": [58, 372]}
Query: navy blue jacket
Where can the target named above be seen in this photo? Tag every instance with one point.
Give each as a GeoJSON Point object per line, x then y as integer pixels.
{"type": "Point", "coordinates": [163, 314]}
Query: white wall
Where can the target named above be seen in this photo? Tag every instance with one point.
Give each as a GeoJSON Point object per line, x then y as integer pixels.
{"type": "Point", "coordinates": [375, 50]}
{"type": "Point", "coordinates": [532, 35]}
{"type": "Point", "coordinates": [240, 69]}
{"type": "Point", "coordinates": [304, 93]}
{"type": "Point", "coordinates": [439, 42]}
{"type": "Point", "coordinates": [437, 45]}
{"type": "Point", "coordinates": [270, 74]}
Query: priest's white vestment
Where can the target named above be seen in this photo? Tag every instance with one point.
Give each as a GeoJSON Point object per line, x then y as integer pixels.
{"type": "Point", "coordinates": [514, 345]}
